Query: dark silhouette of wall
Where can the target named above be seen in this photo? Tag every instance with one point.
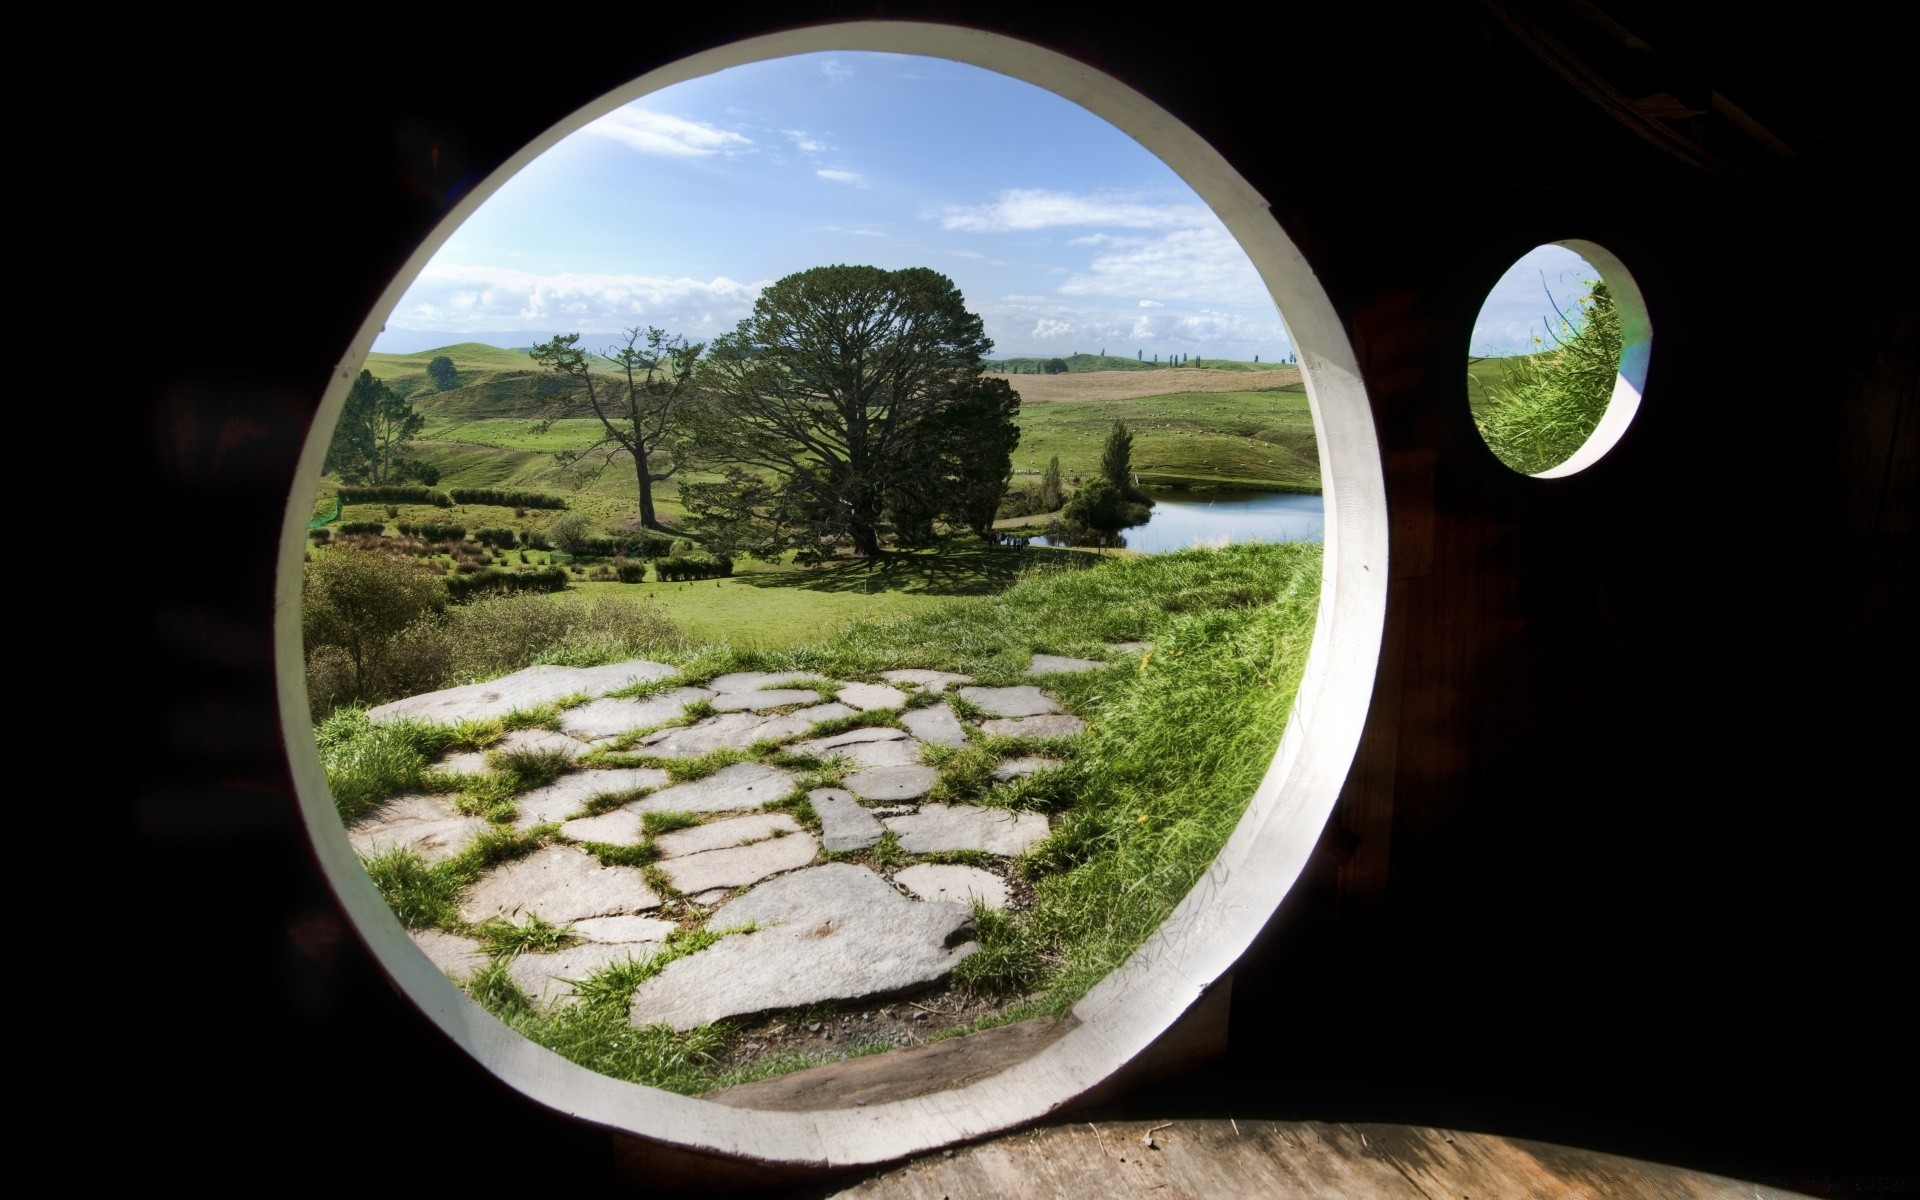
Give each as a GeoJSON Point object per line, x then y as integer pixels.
{"type": "Point", "coordinates": [1620, 863]}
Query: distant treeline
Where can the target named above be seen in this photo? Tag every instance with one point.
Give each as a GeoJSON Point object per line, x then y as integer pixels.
{"type": "Point", "coordinates": [413, 493]}
{"type": "Point", "coordinates": [507, 499]}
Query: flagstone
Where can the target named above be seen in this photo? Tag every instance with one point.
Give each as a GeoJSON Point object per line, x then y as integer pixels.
{"type": "Point", "coordinates": [1055, 664]}
{"type": "Point", "coordinates": [622, 929]}
{"type": "Point", "coordinates": [869, 696]}
{"type": "Point", "coordinates": [426, 825]}
{"type": "Point", "coordinates": [759, 701]}
{"type": "Point", "coordinates": [716, 835]}
{"type": "Point", "coordinates": [740, 786]}
{"type": "Point", "coordinates": [548, 979]}
{"type": "Point", "coordinates": [1024, 701]}
{"type": "Point", "coordinates": [1046, 725]}
{"type": "Point", "coordinates": [570, 793]}
{"type": "Point", "coordinates": [967, 827]}
{"type": "Point", "coordinates": [959, 884]}
{"type": "Point", "coordinates": [528, 688]}
{"type": "Point", "coordinates": [844, 823]}
{"type": "Point", "coordinates": [905, 752]}
{"type": "Point", "coordinates": [753, 681]}
{"type": "Point", "coordinates": [822, 746]}
{"type": "Point", "coordinates": [560, 884]}
{"type": "Point", "coordinates": [1014, 768]}
{"type": "Point", "coordinates": [935, 725]}
{"type": "Point", "coordinates": [621, 827]}
{"type": "Point", "coordinates": [775, 728]}
{"type": "Point", "coordinates": [608, 717]}
{"type": "Point", "coordinates": [827, 933]}
{"type": "Point", "coordinates": [457, 957]}
{"type": "Point", "coordinates": [737, 866]}
{"type": "Point", "coordinates": [891, 783]}
{"type": "Point", "coordinates": [928, 681]}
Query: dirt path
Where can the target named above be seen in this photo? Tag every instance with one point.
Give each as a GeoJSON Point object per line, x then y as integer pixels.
{"type": "Point", "coordinates": [1129, 385]}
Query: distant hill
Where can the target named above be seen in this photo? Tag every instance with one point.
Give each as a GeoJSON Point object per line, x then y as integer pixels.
{"type": "Point", "coordinates": [414, 341]}
{"type": "Point", "coordinates": [1113, 362]}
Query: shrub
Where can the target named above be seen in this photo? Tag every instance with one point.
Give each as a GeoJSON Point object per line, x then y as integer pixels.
{"type": "Point", "coordinates": [321, 536]}
{"type": "Point", "coordinates": [360, 601]}
{"type": "Point", "coordinates": [632, 572]}
{"type": "Point", "coordinates": [506, 499]}
{"type": "Point", "coordinates": [699, 565]}
{"type": "Point", "coordinates": [364, 528]}
{"type": "Point", "coordinates": [433, 531]}
{"type": "Point", "coordinates": [491, 582]}
{"type": "Point", "coordinates": [394, 493]}
{"type": "Point", "coordinates": [504, 539]}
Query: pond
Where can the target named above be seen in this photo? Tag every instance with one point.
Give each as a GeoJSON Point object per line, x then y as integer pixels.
{"type": "Point", "coordinates": [1182, 520]}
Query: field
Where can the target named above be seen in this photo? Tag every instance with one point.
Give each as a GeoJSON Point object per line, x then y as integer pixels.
{"type": "Point", "coordinates": [1224, 425]}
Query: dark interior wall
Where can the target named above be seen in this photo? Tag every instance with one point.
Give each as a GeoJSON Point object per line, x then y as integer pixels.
{"type": "Point", "coordinates": [1620, 862]}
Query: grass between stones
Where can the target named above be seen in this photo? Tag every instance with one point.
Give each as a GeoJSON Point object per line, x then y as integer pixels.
{"type": "Point", "coordinates": [1177, 741]}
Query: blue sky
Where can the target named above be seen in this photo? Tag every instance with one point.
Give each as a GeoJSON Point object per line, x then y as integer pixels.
{"type": "Point", "coordinates": [1063, 233]}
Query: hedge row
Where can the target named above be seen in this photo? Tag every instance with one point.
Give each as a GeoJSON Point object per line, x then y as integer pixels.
{"type": "Point", "coordinates": [394, 493]}
{"type": "Point", "coordinates": [356, 528]}
{"type": "Point", "coordinates": [507, 499]}
{"type": "Point", "coordinates": [630, 545]}
{"type": "Point", "coordinates": [461, 588]}
{"type": "Point", "coordinates": [432, 531]}
{"type": "Point", "coordinates": [691, 566]}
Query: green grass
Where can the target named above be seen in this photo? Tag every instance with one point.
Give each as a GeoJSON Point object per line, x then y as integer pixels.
{"type": "Point", "coordinates": [1176, 744]}
{"type": "Point", "coordinates": [1255, 440]}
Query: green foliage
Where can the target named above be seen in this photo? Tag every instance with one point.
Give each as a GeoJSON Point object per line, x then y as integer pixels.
{"type": "Point", "coordinates": [463, 588]}
{"type": "Point", "coordinates": [1056, 366]}
{"type": "Point", "coordinates": [394, 493]}
{"type": "Point", "coordinates": [366, 763]}
{"type": "Point", "coordinates": [443, 373]}
{"type": "Point", "coordinates": [1097, 513]}
{"type": "Point", "coordinates": [1551, 401]}
{"type": "Point", "coordinates": [421, 896]}
{"type": "Point", "coordinates": [369, 443]}
{"type": "Point", "coordinates": [359, 602]}
{"type": "Point", "coordinates": [1052, 493]}
{"type": "Point", "coordinates": [645, 415]}
{"type": "Point", "coordinates": [506, 498]}
{"type": "Point", "coordinates": [501, 936]}
{"type": "Point", "coordinates": [844, 407]}
{"type": "Point", "coordinates": [1007, 962]}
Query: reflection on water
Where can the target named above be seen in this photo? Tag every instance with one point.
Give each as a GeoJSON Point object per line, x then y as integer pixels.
{"type": "Point", "coordinates": [1183, 520]}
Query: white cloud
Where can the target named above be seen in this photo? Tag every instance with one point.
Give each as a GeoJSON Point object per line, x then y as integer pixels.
{"type": "Point", "coordinates": [1046, 329]}
{"type": "Point", "coordinates": [860, 232]}
{"type": "Point", "coordinates": [477, 299]}
{"type": "Point", "coordinates": [836, 71]}
{"type": "Point", "coordinates": [838, 176]}
{"type": "Point", "coordinates": [651, 132]}
{"type": "Point", "coordinates": [1151, 304]}
{"type": "Point", "coordinates": [1039, 208]}
{"type": "Point", "coordinates": [805, 142]}
{"type": "Point", "coordinates": [1204, 266]}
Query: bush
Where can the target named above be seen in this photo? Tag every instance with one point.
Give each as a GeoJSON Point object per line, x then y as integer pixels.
{"type": "Point", "coordinates": [682, 567]}
{"type": "Point", "coordinates": [321, 536]}
{"type": "Point", "coordinates": [394, 493]}
{"type": "Point", "coordinates": [632, 572]}
{"type": "Point", "coordinates": [502, 539]}
{"type": "Point", "coordinates": [506, 499]}
{"type": "Point", "coordinates": [490, 582]}
{"type": "Point", "coordinates": [360, 601]}
{"type": "Point", "coordinates": [433, 531]}
{"type": "Point", "coordinates": [363, 529]}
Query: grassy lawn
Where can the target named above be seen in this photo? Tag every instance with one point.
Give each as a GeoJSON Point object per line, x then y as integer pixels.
{"type": "Point", "coordinates": [1177, 741]}
{"type": "Point", "coordinates": [1184, 439]}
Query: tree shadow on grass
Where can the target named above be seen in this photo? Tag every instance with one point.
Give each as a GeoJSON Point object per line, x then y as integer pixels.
{"type": "Point", "coordinates": [952, 570]}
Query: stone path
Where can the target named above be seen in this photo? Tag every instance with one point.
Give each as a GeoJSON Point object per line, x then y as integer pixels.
{"type": "Point", "coordinates": [819, 892]}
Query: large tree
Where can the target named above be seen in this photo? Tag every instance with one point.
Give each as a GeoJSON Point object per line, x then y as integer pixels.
{"type": "Point", "coordinates": [370, 442]}
{"type": "Point", "coordinates": [643, 407]}
{"type": "Point", "coordinates": [853, 404]}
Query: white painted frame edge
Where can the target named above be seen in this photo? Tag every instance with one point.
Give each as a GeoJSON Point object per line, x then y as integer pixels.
{"type": "Point", "coordinates": [1636, 347]}
{"type": "Point", "coordinates": [1211, 927]}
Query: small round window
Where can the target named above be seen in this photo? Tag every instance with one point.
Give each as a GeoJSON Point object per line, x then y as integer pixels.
{"type": "Point", "coordinates": [1558, 359]}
